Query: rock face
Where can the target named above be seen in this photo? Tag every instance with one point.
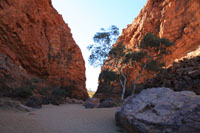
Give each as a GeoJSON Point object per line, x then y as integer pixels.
{"type": "Point", "coordinates": [37, 43]}
{"type": "Point", "coordinates": [184, 75]}
{"type": "Point", "coordinates": [160, 110]}
{"type": "Point", "coordinates": [178, 21]}
{"type": "Point", "coordinates": [11, 75]}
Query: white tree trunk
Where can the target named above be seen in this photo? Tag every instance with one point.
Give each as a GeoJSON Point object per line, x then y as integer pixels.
{"type": "Point", "coordinates": [123, 84]}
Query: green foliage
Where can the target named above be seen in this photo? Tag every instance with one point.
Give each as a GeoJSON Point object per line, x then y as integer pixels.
{"type": "Point", "coordinates": [134, 56]}
{"type": "Point", "coordinates": [107, 89]}
{"type": "Point", "coordinates": [149, 55]}
{"type": "Point", "coordinates": [117, 51]}
{"type": "Point", "coordinates": [150, 52]}
{"type": "Point", "coordinates": [129, 90]}
{"type": "Point", "coordinates": [59, 92]}
{"type": "Point", "coordinates": [150, 41]}
{"type": "Point", "coordinates": [103, 41]}
{"type": "Point", "coordinates": [36, 80]}
{"type": "Point", "coordinates": [108, 75]}
{"type": "Point", "coordinates": [156, 46]}
{"type": "Point", "coordinates": [26, 89]}
{"type": "Point", "coordinates": [23, 92]}
{"type": "Point", "coordinates": [45, 90]}
{"type": "Point", "coordinates": [62, 92]}
{"type": "Point", "coordinates": [154, 66]}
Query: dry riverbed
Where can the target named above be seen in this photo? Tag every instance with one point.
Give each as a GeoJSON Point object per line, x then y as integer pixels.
{"type": "Point", "coordinates": [68, 118]}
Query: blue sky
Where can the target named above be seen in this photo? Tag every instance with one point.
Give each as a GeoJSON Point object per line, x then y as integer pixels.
{"type": "Point", "coordinates": [86, 17]}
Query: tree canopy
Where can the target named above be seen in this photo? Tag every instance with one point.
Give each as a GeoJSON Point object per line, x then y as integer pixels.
{"type": "Point", "coordinates": [148, 55]}
{"type": "Point", "coordinates": [103, 41]}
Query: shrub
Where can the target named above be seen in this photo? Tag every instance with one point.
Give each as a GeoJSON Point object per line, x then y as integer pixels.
{"type": "Point", "coordinates": [63, 92]}
{"type": "Point", "coordinates": [36, 80]}
{"type": "Point", "coordinates": [108, 75]}
{"type": "Point", "coordinates": [23, 92]}
{"type": "Point", "coordinates": [44, 91]}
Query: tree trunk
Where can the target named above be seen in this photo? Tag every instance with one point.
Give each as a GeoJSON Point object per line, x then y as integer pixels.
{"type": "Point", "coordinates": [123, 85]}
{"type": "Point", "coordinates": [123, 88]}
{"type": "Point", "coordinates": [135, 82]}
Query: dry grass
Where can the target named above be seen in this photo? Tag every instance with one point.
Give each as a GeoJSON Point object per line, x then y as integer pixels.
{"type": "Point", "coordinates": [91, 93]}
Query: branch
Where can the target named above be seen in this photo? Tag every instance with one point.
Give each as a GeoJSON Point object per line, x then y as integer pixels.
{"type": "Point", "coordinates": [121, 82]}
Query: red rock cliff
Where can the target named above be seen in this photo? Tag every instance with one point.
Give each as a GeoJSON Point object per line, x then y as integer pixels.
{"type": "Point", "coordinates": [36, 39]}
{"type": "Point", "coordinates": [177, 20]}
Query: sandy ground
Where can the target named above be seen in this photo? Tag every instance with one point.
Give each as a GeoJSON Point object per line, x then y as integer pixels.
{"type": "Point", "coordinates": [69, 118]}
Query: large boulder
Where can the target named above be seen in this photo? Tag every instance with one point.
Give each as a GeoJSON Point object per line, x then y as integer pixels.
{"type": "Point", "coordinates": [159, 110]}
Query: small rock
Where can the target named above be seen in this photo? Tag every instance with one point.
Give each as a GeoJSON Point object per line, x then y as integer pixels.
{"type": "Point", "coordinates": [68, 100]}
{"type": "Point", "coordinates": [75, 101]}
{"type": "Point", "coordinates": [187, 78]}
{"type": "Point", "coordinates": [194, 73]}
{"type": "Point", "coordinates": [91, 103]}
{"type": "Point", "coordinates": [109, 103]}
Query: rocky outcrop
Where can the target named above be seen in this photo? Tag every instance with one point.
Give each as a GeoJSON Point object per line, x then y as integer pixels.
{"type": "Point", "coordinates": [183, 75]}
{"type": "Point", "coordinates": [11, 75]}
{"type": "Point", "coordinates": [37, 43]}
{"type": "Point", "coordinates": [160, 110]}
{"type": "Point", "coordinates": [178, 21]}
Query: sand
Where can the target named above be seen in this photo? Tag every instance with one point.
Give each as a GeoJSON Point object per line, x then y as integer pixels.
{"type": "Point", "coordinates": [68, 118]}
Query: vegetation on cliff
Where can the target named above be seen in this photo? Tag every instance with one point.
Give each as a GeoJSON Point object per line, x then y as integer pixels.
{"type": "Point", "coordinates": [148, 56]}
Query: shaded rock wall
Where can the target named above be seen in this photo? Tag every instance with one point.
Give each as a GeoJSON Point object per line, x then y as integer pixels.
{"type": "Point", "coordinates": [35, 37]}
{"type": "Point", "coordinates": [184, 75]}
{"type": "Point", "coordinates": [178, 21]}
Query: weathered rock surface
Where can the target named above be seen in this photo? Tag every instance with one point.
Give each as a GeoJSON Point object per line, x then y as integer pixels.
{"type": "Point", "coordinates": [178, 21]}
{"type": "Point", "coordinates": [37, 42]}
{"type": "Point", "coordinates": [184, 75]}
{"type": "Point", "coordinates": [160, 110]}
{"type": "Point", "coordinates": [11, 75]}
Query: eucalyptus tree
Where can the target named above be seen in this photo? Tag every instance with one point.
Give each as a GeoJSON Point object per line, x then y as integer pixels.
{"type": "Point", "coordinates": [149, 55]}
{"type": "Point", "coordinates": [101, 51]}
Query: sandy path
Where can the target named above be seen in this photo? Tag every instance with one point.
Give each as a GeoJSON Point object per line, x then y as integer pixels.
{"type": "Point", "coordinates": [67, 118]}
